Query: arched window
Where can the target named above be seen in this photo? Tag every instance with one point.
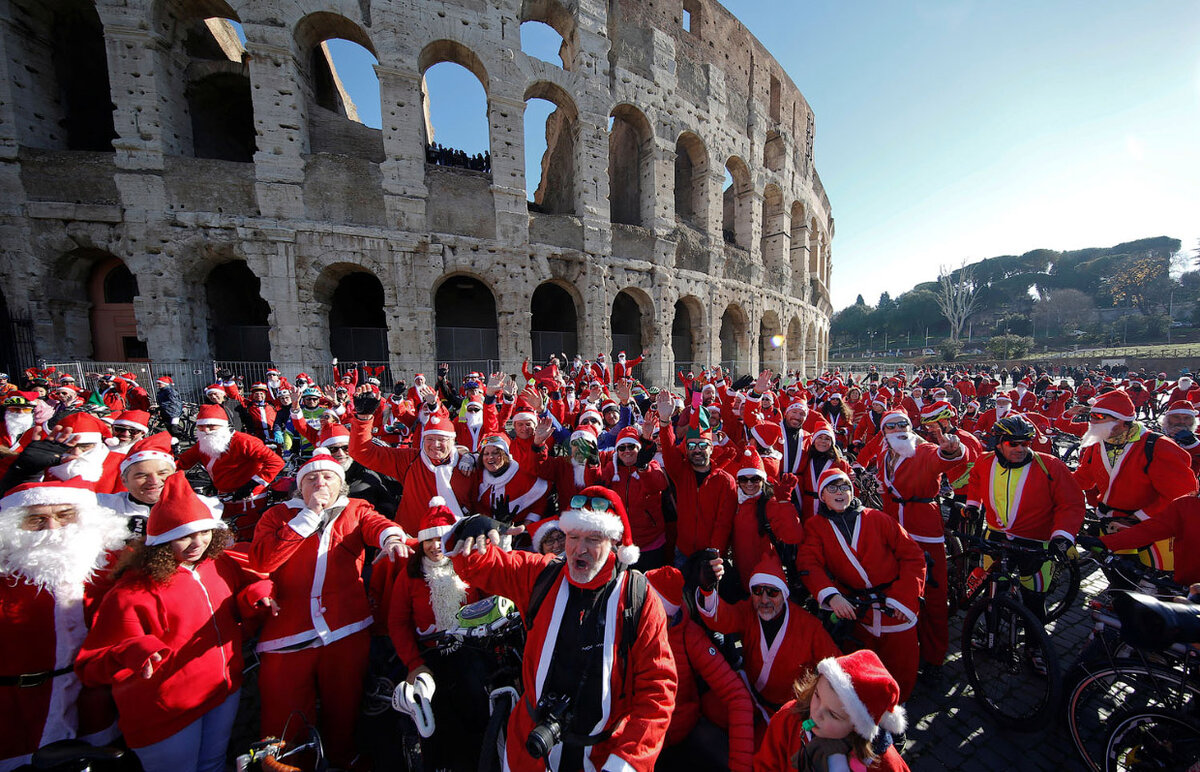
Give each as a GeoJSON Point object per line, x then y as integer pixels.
{"type": "Point", "coordinates": [735, 203]}
{"type": "Point", "coordinates": [343, 112]}
{"type": "Point", "coordinates": [554, 327]}
{"type": "Point", "coordinates": [691, 166]}
{"type": "Point", "coordinates": [541, 41]}
{"type": "Point", "coordinates": [454, 93]}
{"type": "Point", "coordinates": [238, 317]}
{"type": "Point", "coordinates": [630, 166]}
{"type": "Point", "coordinates": [733, 339]}
{"type": "Point", "coordinates": [551, 125]}
{"type": "Point", "coordinates": [548, 32]}
{"type": "Point", "coordinates": [357, 321]}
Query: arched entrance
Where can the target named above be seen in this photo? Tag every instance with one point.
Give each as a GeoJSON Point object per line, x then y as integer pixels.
{"type": "Point", "coordinates": [770, 343]}
{"type": "Point", "coordinates": [357, 322]}
{"type": "Point", "coordinates": [733, 337]}
{"type": "Point", "coordinates": [111, 289]}
{"type": "Point", "coordinates": [238, 317]}
{"type": "Point", "coordinates": [795, 345]}
{"type": "Point", "coordinates": [554, 327]}
{"type": "Point", "coordinates": [465, 323]}
{"type": "Point", "coordinates": [626, 322]}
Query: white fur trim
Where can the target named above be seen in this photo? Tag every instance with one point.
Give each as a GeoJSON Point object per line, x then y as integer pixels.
{"type": "Point", "coordinates": [586, 520]}
{"type": "Point", "coordinates": [213, 421]}
{"type": "Point", "coordinates": [768, 579]}
{"type": "Point", "coordinates": [434, 533]}
{"type": "Point", "coordinates": [894, 721]}
{"type": "Point", "coordinates": [525, 415]}
{"type": "Point", "coordinates": [839, 476]}
{"type": "Point", "coordinates": [750, 471]}
{"type": "Point", "coordinates": [187, 529]}
{"type": "Point", "coordinates": [629, 554]}
{"type": "Point", "coordinates": [146, 455]}
{"type": "Point", "coordinates": [322, 464]}
{"type": "Point", "coordinates": [583, 434]}
{"type": "Point", "coordinates": [131, 424]}
{"type": "Point", "coordinates": [49, 494]}
{"type": "Point", "coordinates": [856, 711]}
{"type": "Point", "coordinates": [84, 438]}
{"type": "Point", "coordinates": [438, 433]}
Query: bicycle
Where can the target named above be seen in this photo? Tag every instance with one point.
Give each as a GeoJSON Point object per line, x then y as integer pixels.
{"type": "Point", "coordinates": [1153, 739]}
{"type": "Point", "coordinates": [72, 756]}
{"type": "Point", "coordinates": [864, 602]}
{"type": "Point", "coordinates": [269, 754]}
{"type": "Point", "coordinates": [1010, 664]}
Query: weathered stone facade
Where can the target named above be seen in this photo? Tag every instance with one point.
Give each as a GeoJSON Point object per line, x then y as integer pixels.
{"type": "Point", "coordinates": [311, 196]}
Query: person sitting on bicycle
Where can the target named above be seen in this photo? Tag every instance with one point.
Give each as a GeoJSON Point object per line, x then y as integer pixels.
{"type": "Point", "coordinates": [1179, 423]}
{"type": "Point", "coordinates": [849, 551]}
{"type": "Point", "coordinates": [1026, 496]}
{"type": "Point", "coordinates": [1180, 521]}
{"type": "Point", "coordinates": [780, 640]}
{"type": "Point", "coordinates": [425, 601]}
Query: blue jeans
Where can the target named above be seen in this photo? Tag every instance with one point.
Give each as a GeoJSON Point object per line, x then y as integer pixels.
{"type": "Point", "coordinates": [198, 747]}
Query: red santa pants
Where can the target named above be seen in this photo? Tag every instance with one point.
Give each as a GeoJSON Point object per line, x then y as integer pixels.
{"type": "Point", "coordinates": [292, 681]}
{"type": "Point", "coordinates": [933, 621]}
{"type": "Point", "coordinates": [899, 654]}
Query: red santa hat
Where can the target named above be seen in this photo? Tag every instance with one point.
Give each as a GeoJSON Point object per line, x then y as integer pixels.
{"type": "Point", "coordinates": [215, 388]}
{"type": "Point", "coordinates": [303, 377]}
{"type": "Point", "coordinates": [609, 404]}
{"type": "Point", "coordinates": [260, 386]}
{"type": "Point", "coordinates": [439, 424]}
{"type": "Point", "coordinates": [881, 398]}
{"type": "Point", "coordinates": [1181, 407]}
{"type": "Point", "coordinates": [831, 475]}
{"type": "Point", "coordinates": [590, 412]}
{"type": "Point", "coordinates": [796, 404]}
{"type": "Point", "coordinates": [212, 415]}
{"type": "Point", "coordinates": [178, 513]}
{"type": "Point", "coordinates": [156, 447]}
{"type": "Point", "coordinates": [821, 426]}
{"type": "Point", "coordinates": [165, 380]}
{"type": "Point", "coordinates": [586, 432]}
{"type": "Point", "coordinates": [543, 528]}
{"type": "Point", "coordinates": [769, 572]}
{"type": "Point", "coordinates": [321, 461]}
{"type": "Point", "coordinates": [607, 518]}
{"type": "Point", "coordinates": [1025, 382]}
{"type": "Point", "coordinates": [767, 434]}
{"type": "Point", "coordinates": [74, 491]}
{"type": "Point", "coordinates": [1003, 396]}
{"type": "Point", "coordinates": [133, 419]}
{"type": "Point", "coordinates": [523, 410]}
{"type": "Point", "coordinates": [751, 465]}
{"type": "Point", "coordinates": [66, 378]}
{"type": "Point", "coordinates": [273, 371]}
{"type": "Point", "coordinates": [629, 436]}
{"type": "Point", "coordinates": [85, 428]}
{"type": "Point", "coordinates": [438, 521]}
{"type": "Point", "coordinates": [667, 581]}
{"type": "Point", "coordinates": [333, 434]}
{"type": "Point", "coordinates": [868, 692]}
{"type": "Point", "coordinates": [1115, 403]}
{"type": "Point", "coordinates": [496, 440]}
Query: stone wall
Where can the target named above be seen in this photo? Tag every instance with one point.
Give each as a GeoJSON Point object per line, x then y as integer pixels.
{"type": "Point", "coordinates": [324, 196]}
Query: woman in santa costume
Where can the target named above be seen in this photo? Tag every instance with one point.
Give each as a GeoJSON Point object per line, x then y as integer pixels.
{"type": "Point", "coordinates": [425, 601]}
{"type": "Point", "coordinates": [313, 547]}
{"type": "Point", "coordinates": [168, 636]}
{"type": "Point", "coordinates": [54, 545]}
{"type": "Point", "coordinates": [848, 549]}
{"type": "Point", "coordinates": [763, 512]}
{"type": "Point", "coordinates": [837, 715]}
{"type": "Point", "coordinates": [820, 455]}
{"type": "Point", "coordinates": [507, 490]}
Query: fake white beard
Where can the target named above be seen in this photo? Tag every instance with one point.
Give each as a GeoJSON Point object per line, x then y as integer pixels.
{"type": "Point", "coordinates": [117, 446]}
{"type": "Point", "coordinates": [1096, 433]}
{"type": "Point", "coordinates": [215, 443]}
{"type": "Point", "coordinates": [17, 424]}
{"type": "Point", "coordinates": [580, 474]}
{"type": "Point", "coordinates": [63, 557]}
{"type": "Point", "coordinates": [474, 420]}
{"type": "Point", "coordinates": [1185, 384]}
{"type": "Point", "coordinates": [904, 444]}
{"type": "Point", "coordinates": [447, 592]}
{"type": "Point", "coordinates": [1002, 410]}
{"type": "Point", "coordinates": [89, 467]}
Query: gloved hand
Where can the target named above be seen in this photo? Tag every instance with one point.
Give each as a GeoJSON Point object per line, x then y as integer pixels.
{"type": "Point", "coordinates": [1060, 545]}
{"type": "Point", "coordinates": [224, 374]}
{"type": "Point", "coordinates": [1090, 543]}
{"type": "Point", "coordinates": [245, 491]}
{"type": "Point", "coordinates": [471, 527]}
{"type": "Point", "coordinates": [443, 371]}
{"type": "Point", "coordinates": [365, 403]}
{"type": "Point", "coordinates": [708, 578]}
{"type": "Point", "coordinates": [1185, 438]}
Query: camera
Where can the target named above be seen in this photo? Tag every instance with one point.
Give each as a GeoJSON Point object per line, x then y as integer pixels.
{"type": "Point", "coordinates": [553, 713]}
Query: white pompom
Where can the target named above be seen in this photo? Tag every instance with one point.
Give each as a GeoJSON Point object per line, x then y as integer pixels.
{"type": "Point", "coordinates": [437, 501]}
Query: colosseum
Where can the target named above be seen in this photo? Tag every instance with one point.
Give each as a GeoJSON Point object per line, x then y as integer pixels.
{"type": "Point", "coordinates": [185, 181]}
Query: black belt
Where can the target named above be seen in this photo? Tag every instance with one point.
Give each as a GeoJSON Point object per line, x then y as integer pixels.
{"type": "Point", "coordinates": [915, 501]}
{"type": "Point", "coordinates": [26, 680]}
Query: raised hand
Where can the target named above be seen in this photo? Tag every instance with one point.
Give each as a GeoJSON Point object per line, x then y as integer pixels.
{"type": "Point", "coordinates": [495, 384]}
{"type": "Point", "coordinates": [545, 428]}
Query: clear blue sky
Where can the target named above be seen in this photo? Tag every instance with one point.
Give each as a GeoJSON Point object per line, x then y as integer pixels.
{"type": "Point", "coordinates": [959, 129]}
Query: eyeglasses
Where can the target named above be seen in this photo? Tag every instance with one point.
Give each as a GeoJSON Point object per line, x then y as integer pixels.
{"type": "Point", "coordinates": [841, 487]}
{"type": "Point", "coordinates": [336, 449]}
{"type": "Point", "coordinates": [765, 589]}
{"type": "Point", "coordinates": [118, 430]}
{"type": "Point", "coordinates": [627, 448]}
{"type": "Point", "coordinates": [897, 425]}
{"type": "Point", "coordinates": [749, 479]}
{"type": "Point", "coordinates": [698, 445]}
{"type": "Point", "coordinates": [594, 503]}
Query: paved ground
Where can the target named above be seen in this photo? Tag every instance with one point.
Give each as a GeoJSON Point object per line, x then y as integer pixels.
{"type": "Point", "coordinates": [951, 731]}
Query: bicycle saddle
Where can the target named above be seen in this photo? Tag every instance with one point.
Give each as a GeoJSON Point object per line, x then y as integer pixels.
{"type": "Point", "coordinates": [1150, 623]}
{"type": "Point", "coordinates": [66, 753]}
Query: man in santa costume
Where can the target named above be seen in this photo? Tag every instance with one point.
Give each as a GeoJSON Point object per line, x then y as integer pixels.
{"type": "Point", "coordinates": [1179, 423]}
{"type": "Point", "coordinates": [993, 414]}
{"type": "Point", "coordinates": [313, 548]}
{"type": "Point", "coordinates": [578, 650]}
{"type": "Point", "coordinates": [624, 367]}
{"type": "Point", "coordinates": [241, 467]}
{"type": "Point", "coordinates": [910, 471]}
{"type": "Point", "coordinates": [1024, 400]}
{"type": "Point", "coordinates": [88, 457]}
{"type": "Point", "coordinates": [424, 472]}
{"type": "Point", "coordinates": [259, 414]}
{"type": "Point", "coordinates": [127, 428]}
{"type": "Point", "coordinates": [507, 491]}
{"type": "Point", "coordinates": [144, 472]}
{"type": "Point", "coordinates": [1124, 479]}
{"type": "Point", "coordinates": [54, 546]}
{"type": "Point", "coordinates": [18, 429]}
{"type": "Point", "coordinates": [781, 641]}
{"type": "Point", "coordinates": [1183, 389]}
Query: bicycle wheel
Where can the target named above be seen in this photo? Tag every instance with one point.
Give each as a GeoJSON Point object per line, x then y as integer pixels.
{"type": "Point", "coordinates": [1063, 588]}
{"type": "Point", "coordinates": [1155, 739]}
{"type": "Point", "coordinates": [1098, 691]}
{"type": "Point", "coordinates": [491, 751]}
{"type": "Point", "coordinates": [956, 572]}
{"type": "Point", "coordinates": [1000, 643]}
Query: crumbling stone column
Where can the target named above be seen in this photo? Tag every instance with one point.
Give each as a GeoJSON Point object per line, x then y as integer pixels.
{"type": "Point", "coordinates": [280, 119]}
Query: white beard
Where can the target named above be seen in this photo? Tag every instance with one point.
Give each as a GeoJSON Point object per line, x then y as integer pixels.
{"type": "Point", "coordinates": [213, 444]}
{"type": "Point", "coordinates": [117, 446]}
{"type": "Point", "coordinates": [904, 444]}
{"type": "Point", "coordinates": [1002, 411]}
{"type": "Point", "coordinates": [580, 474]}
{"type": "Point", "coordinates": [1096, 433]}
{"type": "Point", "coordinates": [273, 383]}
{"type": "Point", "coordinates": [89, 467]}
{"type": "Point", "coordinates": [474, 420]}
{"type": "Point", "coordinates": [64, 557]}
{"type": "Point", "coordinates": [447, 592]}
{"type": "Point", "coordinates": [1185, 385]}
{"type": "Point", "coordinates": [346, 462]}
{"type": "Point", "coordinates": [17, 424]}
{"type": "Point", "coordinates": [1020, 393]}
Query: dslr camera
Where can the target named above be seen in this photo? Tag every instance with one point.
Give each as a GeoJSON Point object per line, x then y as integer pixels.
{"type": "Point", "coordinates": [553, 713]}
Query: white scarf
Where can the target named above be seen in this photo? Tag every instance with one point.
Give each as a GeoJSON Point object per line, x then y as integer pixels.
{"type": "Point", "coordinates": [447, 592]}
{"type": "Point", "coordinates": [442, 475]}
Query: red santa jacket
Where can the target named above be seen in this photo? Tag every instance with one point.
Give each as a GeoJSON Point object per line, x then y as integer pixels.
{"type": "Point", "coordinates": [705, 509]}
{"type": "Point", "coordinates": [911, 489]}
{"type": "Point", "coordinates": [193, 620]}
{"type": "Point", "coordinates": [260, 421]}
{"type": "Point", "coordinates": [750, 540]}
{"type": "Point", "coordinates": [799, 645]}
{"type": "Point", "coordinates": [565, 478]}
{"type": "Point", "coordinates": [623, 368]}
{"type": "Point", "coordinates": [878, 552]}
{"type": "Point", "coordinates": [41, 632]}
{"type": "Point", "coordinates": [317, 570]}
{"type": "Point", "coordinates": [1023, 403]}
{"type": "Point", "coordinates": [1128, 486]}
{"type": "Point", "coordinates": [696, 658]}
{"type": "Point", "coordinates": [786, 737]}
{"type": "Point", "coordinates": [413, 470]}
{"type": "Point", "coordinates": [526, 493]}
{"type": "Point", "coordinates": [1047, 501]}
{"type": "Point", "coordinates": [1180, 521]}
{"type": "Point", "coordinates": [638, 703]}
{"type": "Point", "coordinates": [641, 491]}
{"type": "Point", "coordinates": [410, 615]}
{"type": "Point", "coordinates": [246, 460]}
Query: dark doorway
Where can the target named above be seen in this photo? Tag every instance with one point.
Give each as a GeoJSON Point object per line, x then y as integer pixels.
{"type": "Point", "coordinates": [554, 324]}
{"type": "Point", "coordinates": [238, 317]}
{"type": "Point", "coordinates": [357, 322]}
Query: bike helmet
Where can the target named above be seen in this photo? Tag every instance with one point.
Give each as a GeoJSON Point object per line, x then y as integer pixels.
{"type": "Point", "coordinates": [1014, 427]}
{"type": "Point", "coordinates": [15, 399]}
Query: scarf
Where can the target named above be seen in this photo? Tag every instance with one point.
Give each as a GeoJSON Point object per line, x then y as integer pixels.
{"type": "Point", "coordinates": [442, 476]}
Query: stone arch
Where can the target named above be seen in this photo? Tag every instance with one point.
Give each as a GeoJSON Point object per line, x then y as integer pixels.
{"type": "Point", "coordinates": [353, 304]}
{"type": "Point", "coordinates": [774, 242]}
{"type": "Point", "coordinates": [554, 15]}
{"type": "Point", "coordinates": [556, 190]}
{"type": "Point", "coordinates": [691, 174]}
{"type": "Point", "coordinates": [795, 345]}
{"type": "Point", "coordinates": [771, 343]}
{"type": "Point", "coordinates": [554, 325]}
{"type": "Point", "coordinates": [735, 204]}
{"type": "Point", "coordinates": [734, 338]}
{"type": "Point", "coordinates": [466, 325]}
{"type": "Point", "coordinates": [332, 116]}
{"type": "Point", "coordinates": [239, 319]}
{"type": "Point", "coordinates": [75, 291]}
{"type": "Point", "coordinates": [454, 53]}
{"type": "Point", "coordinates": [631, 322]}
{"type": "Point", "coordinates": [630, 166]}
{"type": "Point", "coordinates": [687, 333]}
{"type": "Point", "coordinates": [811, 346]}
{"type": "Point", "coordinates": [798, 248]}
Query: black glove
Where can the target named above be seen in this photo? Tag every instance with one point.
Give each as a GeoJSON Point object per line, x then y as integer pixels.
{"type": "Point", "coordinates": [503, 510]}
{"type": "Point", "coordinates": [443, 371]}
{"type": "Point", "coordinates": [366, 403]}
{"type": "Point", "coordinates": [224, 374]}
{"type": "Point", "coordinates": [744, 382]}
{"type": "Point", "coordinates": [707, 579]}
{"type": "Point", "coordinates": [245, 491]}
{"type": "Point", "coordinates": [1060, 544]}
{"type": "Point", "coordinates": [1090, 543]}
{"type": "Point", "coordinates": [471, 527]}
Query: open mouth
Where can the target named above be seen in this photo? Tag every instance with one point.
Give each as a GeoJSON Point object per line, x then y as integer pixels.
{"type": "Point", "coordinates": [581, 564]}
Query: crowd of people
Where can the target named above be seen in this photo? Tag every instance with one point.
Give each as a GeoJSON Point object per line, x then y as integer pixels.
{"type": "Point", "coordinates": [677, 552]}
{"type": "Point", "coordinates": [448, 156]}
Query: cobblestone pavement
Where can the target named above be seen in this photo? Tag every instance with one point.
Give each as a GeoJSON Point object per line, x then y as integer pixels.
{"type": "Point", "coordinates": [949, 730]}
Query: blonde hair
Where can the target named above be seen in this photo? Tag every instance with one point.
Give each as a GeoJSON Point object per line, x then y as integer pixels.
{"type": "Point", "coordinates": [803, 690]}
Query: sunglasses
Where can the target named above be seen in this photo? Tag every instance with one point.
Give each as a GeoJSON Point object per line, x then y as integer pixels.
{"type": "Point", "coordinates": [627, 447]}
{"type": "Point", "coordinates": [763, 589]}
{"type": "Point", "coordinates": [334, 449]}
{"type": "Point", "coordinates": [594, 503]}
{"type": "Point", "coordinates": [122, 430]}
{"type": "Point", "coordinates": [897, 425]}
{"type": "Point", "coordinates": [698, 445]}
{"type": "Point", "coordinates": [749, 479]}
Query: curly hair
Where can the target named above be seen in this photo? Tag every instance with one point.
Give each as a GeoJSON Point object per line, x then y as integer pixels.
{"type": "Point", "coordinates": [803, 690]}
{"type": "Point", "coordinates": [157, 563]}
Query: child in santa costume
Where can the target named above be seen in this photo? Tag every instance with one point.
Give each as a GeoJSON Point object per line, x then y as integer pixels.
{"type": "Point", "coordinates": [313, 547]}
{"type": "Point", "coordinates": [168, 636]}
{"type": "Point", "coordinates": [838, 713]}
